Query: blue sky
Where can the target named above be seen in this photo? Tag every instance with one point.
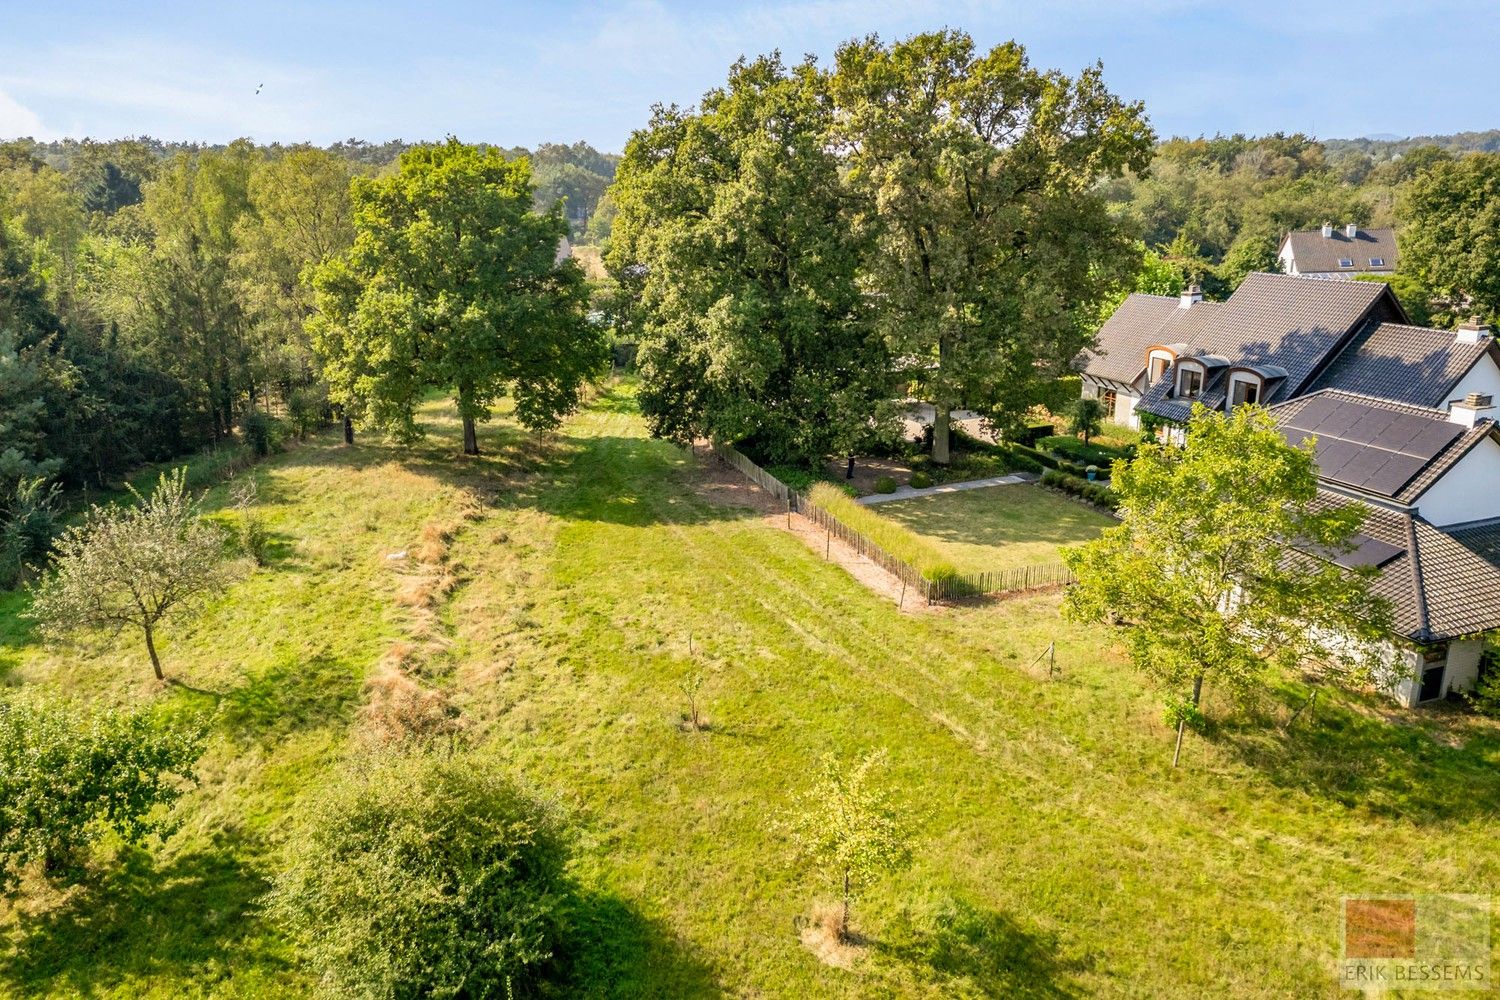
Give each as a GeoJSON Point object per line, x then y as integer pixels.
{"type": "Point", "coordinates": [523, 73]}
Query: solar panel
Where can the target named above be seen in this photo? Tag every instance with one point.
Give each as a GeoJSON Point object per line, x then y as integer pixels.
{"type": "Point", "coordinates": [1361, 468]}
{"type": "Point", "coordinates": [1388, 480]}
{"type": "Point", "coordinates": [1368, 447]}
{"type": "Point", "coordinates": [1333, 455]}
{"type": "Point", "coordinates": [1433, 437]}
{"type": "Point", "coordinates": [1368, 551]}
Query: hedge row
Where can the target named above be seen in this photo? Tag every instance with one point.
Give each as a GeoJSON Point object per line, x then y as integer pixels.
{"type": "Point", "coordinates": [895, 538]}
{"type": "Point", "coordinates": [1094, 493]}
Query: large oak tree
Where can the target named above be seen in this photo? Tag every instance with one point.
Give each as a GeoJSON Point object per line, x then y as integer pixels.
{"type": "Point", "coordinates": [453, 282]}
{"type": "Point", "coordinates": [734, 243]}
{"type": "Point", "coordinates": [977, 176]}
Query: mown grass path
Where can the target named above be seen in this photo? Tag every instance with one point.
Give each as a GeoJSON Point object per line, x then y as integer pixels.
{"type": "Point", "coordinates": [1058, 854]}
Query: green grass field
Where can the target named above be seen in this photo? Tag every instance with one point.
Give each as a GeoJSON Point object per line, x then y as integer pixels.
{"type": "Point", "coordinates": [1058, 854]}
{"type": "Point", "coordinates": [998, 527]}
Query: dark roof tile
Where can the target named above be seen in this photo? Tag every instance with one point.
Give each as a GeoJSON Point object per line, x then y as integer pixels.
{"type": "Point", "coordinates": [1319, 254]}
{"type": "Point", "coordinates": [1411, 364]}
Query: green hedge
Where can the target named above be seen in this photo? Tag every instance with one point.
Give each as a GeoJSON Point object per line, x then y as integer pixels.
{"type": "Point", "coordinates": [1085, 454]}
{"type": "Point", "coordinates": [1095, 493]}
{"type": "Point", "coordinates": [897, 539]}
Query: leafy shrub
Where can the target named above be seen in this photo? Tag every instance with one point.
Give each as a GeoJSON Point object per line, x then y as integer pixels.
{"type": "Point", "coordinates": [1041, 458]}
{"type": "Point", "coordinates": [1021, 462]}
{"type": "Point", "coordinates": [259, 431]}
{"type": "Point", "coordinates": [1485, 697]}
{"type": "Point", "coordinates": [795, 476]}
{"type": "Point", "coordinates": [1181, 710]}
{"type": "Point", "coordinates": [67, 777]}
{"type": "Point", "coordinates": [425, 876]}
{"type": "Point", "coordinates": [1095, 493]}
{"type": "Point", "coordinates": [896, 539]}
{"type": "Point", "coordinates": [28, 523]}
{"type": "Point", "coordinates": [307, 409]}
{"type": "Point", "coordinates": [253, 539]}
{"type": "Point", "coordinates": [919, 481]}
{"type": "Point", "coordinates": [885, 484]}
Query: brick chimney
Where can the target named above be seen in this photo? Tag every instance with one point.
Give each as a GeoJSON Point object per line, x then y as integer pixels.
{"type": "Point", "coordinates": [1191, 295]}
{"type": "Point", "coordinates": [1351, 231]}
{"type": "Point", "coordinates": [1473, 331]}
{"type": "Point", "coordinates": [1474, 407]}
{"type": "Point", "coordinates": [1328, 230]}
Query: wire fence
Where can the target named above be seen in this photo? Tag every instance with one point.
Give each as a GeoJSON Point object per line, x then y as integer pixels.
{"type": "Point", "coordinates": [957, 586]}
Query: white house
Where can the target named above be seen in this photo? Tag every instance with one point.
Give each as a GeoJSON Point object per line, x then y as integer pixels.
{"type": "Point", "coordinates": [1403, 417]}
{"type": "Point", "coordinates": [1330, 252]}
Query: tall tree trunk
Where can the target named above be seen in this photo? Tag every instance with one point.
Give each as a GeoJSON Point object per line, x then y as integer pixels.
{"type": "Point", "coordinates": [941, 423]}
{"type": "Point", "coordinates": [348, 430]}
{"type": "Point", "coordinates": [471, 435]}
{"type": "Point", "coordinates": [1182, 721]}
{"type": "Point", "coordinates": [151, 648]}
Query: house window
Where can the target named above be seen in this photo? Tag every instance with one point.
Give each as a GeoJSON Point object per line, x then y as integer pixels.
{"type": "Point", "coordinates": [1107, 400]}
{"type": "Point", "coordinates": [1345, 262]}
{"type": "Point", "coordinates": [1157, 368]}
{"type": "Point", "coordinates": [1377, 262]}
{"type": "Point", "coordinates": [1245, 391]}
{"type": "Point", "coordinates": [1190, 383]}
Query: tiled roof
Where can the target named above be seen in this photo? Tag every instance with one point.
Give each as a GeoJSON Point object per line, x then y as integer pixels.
{"type": "Point", "coordinates": [1281, 320]}
{"type": "Point", "coordinates": [1482, 539]}
{"type": "Point", "coordinates": [1438, 588]}
{"type": "Point", "coordinates": [1408, 363]}
{"type": "Point", "coordinates": [1140, 322]}
{"type": "Point", "coordinates": [1422, 477]}
{"type": "Point", "coordinates": [1316, 254]}
{"type": "Point", "coordinates": [1275, 319]}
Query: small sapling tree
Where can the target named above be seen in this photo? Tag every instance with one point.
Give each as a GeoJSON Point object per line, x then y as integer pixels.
{"type": "Point", "coordinates": [1086, 417]}
{"type": "Point", "coordinates": [848, 826]}
{"type": "Point", "coordinates": [132, 567]}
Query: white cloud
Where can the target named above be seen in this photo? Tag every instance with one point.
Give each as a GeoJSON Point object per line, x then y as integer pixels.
{"type": "Point", "coordinates": [17, 120]}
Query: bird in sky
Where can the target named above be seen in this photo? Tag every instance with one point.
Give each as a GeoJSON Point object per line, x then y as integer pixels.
{"type": "Point", "coordinates": [258, 86]}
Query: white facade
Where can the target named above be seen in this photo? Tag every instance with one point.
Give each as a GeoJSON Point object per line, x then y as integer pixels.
{"type": "Point", "coordinates": [1483, 378]}
{"type": "Point", "coordinates": [1469, 491]}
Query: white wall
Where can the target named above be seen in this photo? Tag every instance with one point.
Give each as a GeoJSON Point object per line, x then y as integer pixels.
{"type": "Point", "coordinates": [1484, 378]}
{"type": "Point", "coordinates": [1125, 411]}
{"type": "Point", "coordinates": [1463, 664]}
{"type": "Point", "coordinates": [1288, 262]}
{"type": "Point", "coordinates": [1461, 673]}
{"type": "Point", "coordinates": [1470, 491]}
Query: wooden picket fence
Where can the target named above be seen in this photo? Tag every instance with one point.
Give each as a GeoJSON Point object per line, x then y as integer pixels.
{"type": "Point", "coordinates": [1038, 576]}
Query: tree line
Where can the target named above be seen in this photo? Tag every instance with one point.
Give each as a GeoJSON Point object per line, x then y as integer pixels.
{"type": "Point", "coordinates": [1213, 210]}
{"type": "Point", "coordinates": [150, 304]}
{"type": "Point", "coordinates": [923, 218]}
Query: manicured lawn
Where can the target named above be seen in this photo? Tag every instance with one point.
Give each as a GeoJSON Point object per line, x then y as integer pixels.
{"type": "Point", "coordinates": [1057, 853]}
{"type": "Point", "coordinates": [999, 527]}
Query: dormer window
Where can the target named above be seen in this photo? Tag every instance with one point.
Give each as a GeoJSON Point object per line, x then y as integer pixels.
{"type": "Point", "coordinates": [1345, 262]}
{"type": "Point", "coordinates": [1245, 391]}
{"type": "Point", "coordinates": [1190, 383]}
{"type": "Point", "coordinates": [1157, 368]}
{"type": "Point", "coordinates": [1377, 262]}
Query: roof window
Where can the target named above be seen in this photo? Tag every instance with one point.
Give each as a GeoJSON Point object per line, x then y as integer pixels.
{"type": "Point", "coordinates": [1377, 262]}
{"type": "Point", "coordinates": [1345, 262]}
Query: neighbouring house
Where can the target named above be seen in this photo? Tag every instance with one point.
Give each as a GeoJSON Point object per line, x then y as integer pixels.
{"type": "Point", "coordinates": [1404, 421]}
{"type": "Point", "coordinates": [1339, 253]}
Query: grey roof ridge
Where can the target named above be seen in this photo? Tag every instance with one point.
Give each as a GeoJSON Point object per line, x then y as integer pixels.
{"type": "Point", "coordinates": [1389, 404]}
{"type": "Point", "coordinates": [1424, 630]}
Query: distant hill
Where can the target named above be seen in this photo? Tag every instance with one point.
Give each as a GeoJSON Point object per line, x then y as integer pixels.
{"type": "Point", "coordinates": [1380, 147]}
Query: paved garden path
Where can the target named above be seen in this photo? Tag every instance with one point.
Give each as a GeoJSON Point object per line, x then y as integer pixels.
{"type": "Point", "coordinates": [907, 493]}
